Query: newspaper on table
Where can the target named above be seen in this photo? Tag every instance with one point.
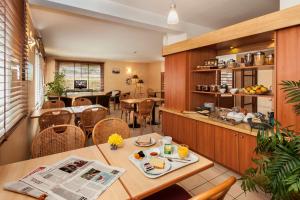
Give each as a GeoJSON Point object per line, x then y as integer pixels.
{"type": "Point", "coordinates": [71, 179]}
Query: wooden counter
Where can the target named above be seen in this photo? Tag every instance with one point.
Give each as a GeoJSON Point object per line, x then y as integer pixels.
{"type": "Point", "coordinates": [242, 128]}
{"type": "Point", "coordinates": [231, 146]}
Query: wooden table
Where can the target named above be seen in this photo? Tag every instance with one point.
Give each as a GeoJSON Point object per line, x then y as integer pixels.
{"type": "Point", "coordinates": [139, 186]}
{"type": "Point", "coordinates": [15, 171]}
{"type": "Point", "coordinates": [73, 110]}
{"type": "Point", "coordinates": [135, 102]}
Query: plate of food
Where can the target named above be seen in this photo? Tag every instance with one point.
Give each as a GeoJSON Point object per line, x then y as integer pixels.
{"type": "Point", "coordinates": [144, 141]}
{"type": "Point", "coordinates": [155, 165]}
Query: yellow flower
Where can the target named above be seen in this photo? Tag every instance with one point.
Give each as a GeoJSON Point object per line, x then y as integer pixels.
{"type": "Point", "coordinates": [115, 139]}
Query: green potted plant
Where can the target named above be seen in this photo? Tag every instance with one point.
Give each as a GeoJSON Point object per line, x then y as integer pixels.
{"type": "Point", "coordinates": [57, 86]}
{"type": "Point", "coordinates": [277, 170]}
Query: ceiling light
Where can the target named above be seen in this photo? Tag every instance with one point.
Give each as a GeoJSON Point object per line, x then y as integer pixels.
{"type": "Point", "coordinates": [173, 16]}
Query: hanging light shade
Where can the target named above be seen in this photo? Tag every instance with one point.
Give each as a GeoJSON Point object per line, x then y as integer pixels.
{"type": "Point", "coordinates": [173, 16]}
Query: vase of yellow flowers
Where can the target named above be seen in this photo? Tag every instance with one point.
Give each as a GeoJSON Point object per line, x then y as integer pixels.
{"type": "Point", "coordinates": [115, 140]}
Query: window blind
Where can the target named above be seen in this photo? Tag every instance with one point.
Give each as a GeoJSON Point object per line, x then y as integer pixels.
{"type": "Point", "coordinates": [93, 73]}
{"type": "Point", "coordinates": [39, 80]}
{"type": "Point", "coordinates": [13, 87]}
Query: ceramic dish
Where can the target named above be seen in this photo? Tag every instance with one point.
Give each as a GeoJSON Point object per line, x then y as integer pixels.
{"type": "Point", "coordinates": [156, 171]}
{"type": "Point", "coordinates": [153, 142]}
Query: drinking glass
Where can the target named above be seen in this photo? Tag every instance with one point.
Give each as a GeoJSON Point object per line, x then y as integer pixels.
{"type": "Point", "coordinates": [183, 151]}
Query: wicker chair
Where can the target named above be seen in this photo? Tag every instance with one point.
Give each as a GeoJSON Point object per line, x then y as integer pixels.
{"type": "Point", "coordinates": [144, 112]}
{"type": "Point", "coordinates": [53, 104]}
{"type": "Point", "coordinates": [82, 102]}
{"type": "Point", "coordinates": [175, 192]}
{"type": "Point", "coordinates": [150, 92]}
{"type": "Point", "coordinates": [54, 118]}
{"type": "Point", "coordinates": [106, 127]}
{"type": "Point", "coordinates": [53, 140]}
{"type": "Point", "coordinates": [90, 117]}
{"type": "Point", "coordinates": [125, 107]}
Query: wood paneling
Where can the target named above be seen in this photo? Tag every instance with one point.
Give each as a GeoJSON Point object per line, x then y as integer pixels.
{"type": "Point", "coordinates": [226, 148]}
{"type": "Point", "coordinates": [288, 68]}
{"type": "Point", "coordinates": [270, 22]}
{"type": "Point", "coordinates": [206, 139]}
{"type": "Point", "coordinates": [181, 129]}
{"type": "Point", "coordinates": [176, 81]}
{"type": "Point", "coordinates": [247, 144]}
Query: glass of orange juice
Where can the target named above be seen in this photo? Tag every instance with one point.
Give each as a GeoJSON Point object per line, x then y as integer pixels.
{"type": "Point", "coordinates": [183, 151]}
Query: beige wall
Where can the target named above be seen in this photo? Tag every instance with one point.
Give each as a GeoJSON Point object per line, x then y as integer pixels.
{"type": "Point", "coordinates": [17, 146]}
{"type": "Point", "coordinates": [149, 72]}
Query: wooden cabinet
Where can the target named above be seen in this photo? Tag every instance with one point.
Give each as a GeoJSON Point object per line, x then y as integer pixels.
{"type": "Point", "coordinates": [232, 149]}
{"type": "Point", "coordinates": [181, 129]}
{"type": "Point", "coordinates": [206, 139]}
{"type": "Point", "coordinates": [226, 147]}
{"type": "Point", "coordinates": [287, 68]}
{"type": "Point", "coordinates": [247, 144]}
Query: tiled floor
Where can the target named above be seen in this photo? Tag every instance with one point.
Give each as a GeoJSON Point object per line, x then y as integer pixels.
{"type": "Point", "coordinates": [209, 178]}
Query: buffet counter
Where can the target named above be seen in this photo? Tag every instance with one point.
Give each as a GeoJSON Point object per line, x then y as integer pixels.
{"type": "Point", "coordinates": [242, 128]}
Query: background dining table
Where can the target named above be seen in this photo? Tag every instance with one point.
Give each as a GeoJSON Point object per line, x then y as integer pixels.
{"type": "Point", "coordinates": [15, 171]}
{"type": "Point", "coordinates": [135, 102]}
{"type": "Point", "coordinates": [73, 110]}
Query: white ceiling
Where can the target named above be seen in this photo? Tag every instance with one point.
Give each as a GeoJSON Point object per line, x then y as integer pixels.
{"type": "Point", "coordinates": [210, 13]}
{"type": "Point", "coordinates": [115, 29]}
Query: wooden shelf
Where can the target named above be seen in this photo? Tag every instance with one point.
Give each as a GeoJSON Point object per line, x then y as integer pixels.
{"type": "Point", "coordinates": [259, 67]}
{"type": "Point", "coordinates": [239, 94]}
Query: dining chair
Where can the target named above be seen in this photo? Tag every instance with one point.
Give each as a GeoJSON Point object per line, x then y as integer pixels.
{"type": "Point", "coordinates": [54, 118]}
{"type": "Point", "coordinates": [144, 112]}
{"type": "Point", "coordinates": [53, 104]}
{"type": "Point", "coordinates": [115, 97]}
{"type": "Point", "coordinates": [106, 127]}
{"type": "Point", "coordinates": [126, 107]}
{"type": "Point", "coordinates": [82, 102]}
{"type": "Point", "coordinates": [150, 92]}
{"type": "Point", "coordinates": [90, 117]}
{"type": "Point", "coordinates": [175, 192]}
{"type": "Point", "coordinates": [57, 139]}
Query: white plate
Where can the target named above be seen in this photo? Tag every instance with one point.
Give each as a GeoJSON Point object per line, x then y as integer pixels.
{"type": "Point", "coordinates": [156, 171]}
{"type": "Point", "coordinates": [153, 142]}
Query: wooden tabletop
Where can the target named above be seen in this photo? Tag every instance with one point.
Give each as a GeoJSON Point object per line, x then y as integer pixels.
{"type": "Point", "coordinates": [135, 101]}
{"type": "Point", "coordinates": [75, 95]}
{"type": "Point", "coordinates": [139, 186]}
{"type": "Point", "coordinates": [73, 110]}
{"type": "Point", "coordinates": [15, 171]}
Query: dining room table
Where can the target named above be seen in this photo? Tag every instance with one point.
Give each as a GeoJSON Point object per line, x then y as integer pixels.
{"type": "Point", "coordinates": [136, 184]}
{"type": "Point", "coordinates": [16, 171]}
{"type": "Point", "coordinates": [73, 110]}
{"type": "Point", "coordinates": [135, 102]}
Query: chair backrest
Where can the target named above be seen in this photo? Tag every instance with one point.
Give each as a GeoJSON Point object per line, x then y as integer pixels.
{"type": "Point", "coordinates": [53, 104]}
{"type": "Point", "coordinates": [51, 141]}
{"type": "Point", "coordinates": [218, 192]}
{"type": "Point", "coordinates": [150, 92]}
{"type": "Point", "coordinates": [125, 96]}
{"type": "Point", "coordinates": [82, 102]}
{"type": "Point", "coordinates": [106, 127]}
{"type": "Point", "coordinates": [91, 116]}
{"type": "Point", "coordinates": [146, 106]}
{"type": "Point", "coordinates": [54, 118]}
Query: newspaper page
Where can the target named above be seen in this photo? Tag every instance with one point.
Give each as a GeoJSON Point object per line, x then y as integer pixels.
{"type": "Point", "coordinates": [26, 189]}
{"type": "Point", "coordinates": [75, 179]}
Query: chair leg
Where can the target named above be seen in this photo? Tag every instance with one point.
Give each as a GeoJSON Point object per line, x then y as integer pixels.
{"type": "Point", "coordinates": [122, 114]}
{"type": "Point", "coordinates": [151, 124]}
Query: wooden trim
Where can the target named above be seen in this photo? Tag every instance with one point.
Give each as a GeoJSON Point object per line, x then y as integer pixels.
{"type": "Point", "coordinates": [270, 22]}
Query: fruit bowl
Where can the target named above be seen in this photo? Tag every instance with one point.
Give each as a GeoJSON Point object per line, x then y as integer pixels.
{"type": "Point", "coordinates": [256, 90]}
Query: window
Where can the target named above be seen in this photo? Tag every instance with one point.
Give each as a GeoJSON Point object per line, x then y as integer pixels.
{"type": "Point", "coordinates": [92, 73]}
{"type": "Point", "coordinates": [13, 88]}
{"type": "Point", "coordinates": [39, 80]}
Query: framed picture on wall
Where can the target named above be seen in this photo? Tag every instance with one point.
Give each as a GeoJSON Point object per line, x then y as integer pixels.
{"type": "Point", "coordinates": [116, 70]}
